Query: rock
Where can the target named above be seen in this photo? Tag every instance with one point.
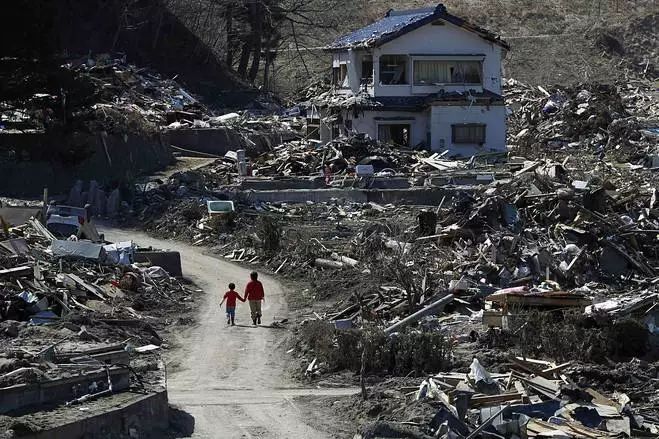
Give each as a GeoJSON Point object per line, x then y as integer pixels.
{"type": "Point", "coordinates": [10, 328]}
{"type": "Point", "coordinates": [9, 364]}
{"type": "Point", "coordinates": [70, 326]}
{"type": "Point", "coordinates": [85, 335]}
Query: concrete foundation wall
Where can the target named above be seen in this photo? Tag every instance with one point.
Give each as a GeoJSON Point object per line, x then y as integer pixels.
{"type": "Point", "coordinates": [30, 162]}
{"type": "Point", "coordinates": [319, 183]}
{"type": "Point", "coordinates": [368, 121]}
{"type": "Point", "coordinates": [219, 141]}
{"type": "Point", "coordinates": [21, 396]}
{"type": "Point", "coordinates": [494, 117]}
{"type": "Point", "coordinates": [147, 416]}
{"type": "Point", "coordinates": [169, 261]}
{"type": "Point", "coordinates": [421, 196]}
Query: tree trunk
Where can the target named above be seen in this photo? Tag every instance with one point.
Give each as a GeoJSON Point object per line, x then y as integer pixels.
{"type": "Point", "coordinates": [244, 59]}
{"type": "Point", "coordinates": [362, 372]}
{"type": "Point", "coordinates": [266, 69]}
{"type": "Point", "coordinates": [156, 36]}
{"type": "Point", "coordinates": [228, 23]}
{"type": "Point", "coordinates": [256, 58]}
{"type": "Point", "coordinates": [256, 21]}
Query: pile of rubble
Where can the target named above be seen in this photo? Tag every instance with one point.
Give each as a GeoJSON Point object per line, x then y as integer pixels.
{"type": "Point", "coordinates": [612, 121]}
{"type": "Point", "coordinates": [534, 398]}
{"type": "Point", "coordinates": [342, 158]}
{"type": "Point", "coordinates": [304, 158]}
{"type": "Point", "coordinates": [553, 257]}
{"type": "Point", "coordinates": [79, 319]}
{"type": "Point", "coordinates": [100, 93]}
{"type": "Point", "coordinates": [557, 260]}
{"type": "Point", "coordinates": [105, 93]}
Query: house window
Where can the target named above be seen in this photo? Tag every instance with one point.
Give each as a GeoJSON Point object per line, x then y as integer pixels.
{"type": "Point", "coordinates": [397, 134]}
{"type": "Point", "coordinates": [340, 76]}
{"type": "Point", "coordinates": [468, 133]}
{"type": "Point", "coordinates": [447, 72]}
{"type": "Point", "coordinates": [393, 69]}
{"type": "Point", "coordinates": [343, 75]}
{"type": "Point", "coordinates": [367, 69]}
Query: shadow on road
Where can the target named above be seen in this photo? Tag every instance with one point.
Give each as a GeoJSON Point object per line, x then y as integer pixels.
{"type": "Point", "coordinates": [181, 423]}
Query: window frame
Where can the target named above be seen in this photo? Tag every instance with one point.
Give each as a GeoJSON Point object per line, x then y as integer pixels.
{"type": "Point", "coordinates": [406, 70]}
{"type": "Point", "coordinates": [389, 123]}
{"type": "Point", "coordinates": [367, 76]}
{"type": "Point", "coordinates": [416, 60]}
{"type": "Point", "coordinates": [340, 76]}
{"type": "Point", "coordinates": [470, 141]}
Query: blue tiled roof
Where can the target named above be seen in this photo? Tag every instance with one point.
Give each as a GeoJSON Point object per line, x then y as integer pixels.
{"type": "Point", "coordinates": [390, 24]}
{"type": "Point", "coordinates": [397, 23]}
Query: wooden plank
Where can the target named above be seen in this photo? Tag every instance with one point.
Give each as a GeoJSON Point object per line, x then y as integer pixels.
{"type": "Point", "coordinates": [17, 272]}
{"type": "Point", "coordinates": [85, 285]}
{"type": "Point", "coordinates": [551, 385]}
{"type": "Point", "coordinates": [537, 300]}
{"type": "Point", "coordinates": [523, 366]}
{"type": "Point", "coordinates": [600, 399]}
{"type": "Point", "coordinates": [451, 376]}
{"type": "Point", "coordinates": [530, 167]}
{"type": "Point", "coordinates": [41, 229]}
{"type": "Point", "coordinates": [537, 388]}
{"type": "Point", "coordinates": [478, 401]}
{"type": "Point", "coordinates": [555, 369]}
{"type": "Point", "coordinates": [534, 361]}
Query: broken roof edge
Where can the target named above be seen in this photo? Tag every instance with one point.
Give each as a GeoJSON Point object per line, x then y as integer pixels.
{"type": "Point", "coordinates": [415, 103]}
{"type": "Point", "coordinates": [467, 95]}
{"type": "Point", "coordinates": [439, 12]}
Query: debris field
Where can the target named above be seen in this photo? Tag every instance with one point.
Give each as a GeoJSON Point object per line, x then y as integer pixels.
{"type": "Point", "coordinates": [506, 295]}
{"type": "Point", "coordinates": [82, 326]}
{"type": "Point", "coordinates": [522, 303]}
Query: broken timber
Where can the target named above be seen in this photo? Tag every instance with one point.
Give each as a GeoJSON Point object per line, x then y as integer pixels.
{"type": "Point", "coordinates": [436, 306]}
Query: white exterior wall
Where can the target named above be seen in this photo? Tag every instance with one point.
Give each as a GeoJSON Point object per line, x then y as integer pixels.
{"type": "Point", "coordinates": [352, 61]}
{"type": "Point", "coordinates": [439, 40]}
{"type": "Point", "coordinates": [366, 123]}
{"type": "Point", "coordinates": [451, 42]}
{"type": "Point", "coordinates": [442, 117]}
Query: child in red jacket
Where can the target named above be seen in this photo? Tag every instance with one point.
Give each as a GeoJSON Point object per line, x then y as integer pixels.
{"type": "Point", "coordinates": [231, 296]}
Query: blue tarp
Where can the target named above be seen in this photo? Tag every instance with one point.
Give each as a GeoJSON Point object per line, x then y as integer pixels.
{"type": "Point", "coordinates": [43, 317]}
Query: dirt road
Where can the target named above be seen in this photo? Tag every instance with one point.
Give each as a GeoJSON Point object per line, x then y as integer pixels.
{"type": "Point", "coordinates": [231, 378]}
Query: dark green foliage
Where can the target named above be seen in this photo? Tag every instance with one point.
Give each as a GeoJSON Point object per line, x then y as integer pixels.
{"type": "Point", "coordinates": [400, 354]}
{"type": "Point", "coordinates": [567, 336]}
{"type": "Point", "coordinates": [269, 232]}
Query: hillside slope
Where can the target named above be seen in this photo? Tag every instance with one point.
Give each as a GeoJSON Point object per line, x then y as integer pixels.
{"type": "Point", "coordinates": [145, 31]}
{"type": "Point", "coordinates": [552, 41]}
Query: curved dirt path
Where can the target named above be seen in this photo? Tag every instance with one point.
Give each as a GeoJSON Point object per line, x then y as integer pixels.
{"type": "Point", "coordinates": [230, 379]}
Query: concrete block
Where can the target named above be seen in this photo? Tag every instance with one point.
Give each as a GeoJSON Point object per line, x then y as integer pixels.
{"type": "Point", "coordinates": [343, 324]}
{"type": "Point", "coordinates": [146, 415]}
{"type": "Point", "coordinates": [35, 395]}
{"type": "Point", "coordinates": [170, 261]}
{"type": "Point", "coordinates": [78, 250]}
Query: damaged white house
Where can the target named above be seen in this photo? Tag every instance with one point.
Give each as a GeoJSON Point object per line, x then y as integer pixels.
{"type": "Point", "coordinates": [417, 78]}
